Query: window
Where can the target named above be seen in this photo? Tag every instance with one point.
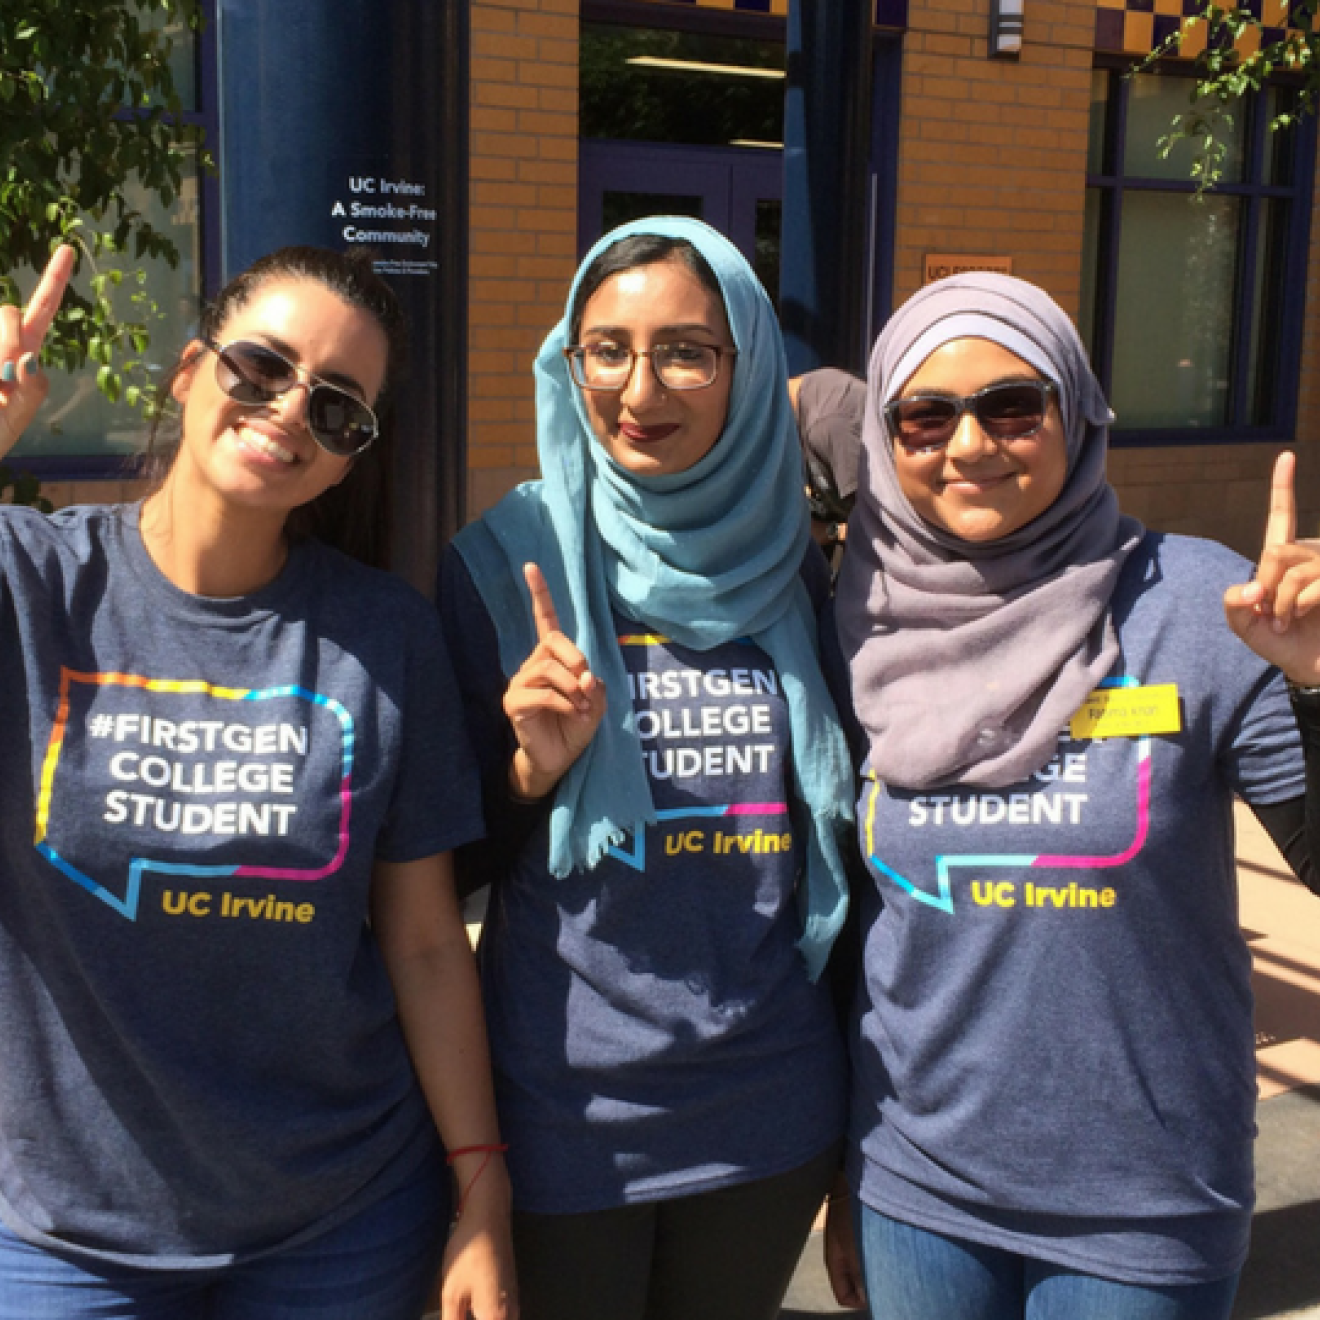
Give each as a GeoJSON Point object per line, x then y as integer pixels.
{"type": "Point", "coordinates": [1190, 317]}
{"type": "Point", "coordinates": [78, 431]}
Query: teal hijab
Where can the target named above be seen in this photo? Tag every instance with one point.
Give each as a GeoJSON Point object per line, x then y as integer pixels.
{"type": "Point", "coordinates": [704, 557]}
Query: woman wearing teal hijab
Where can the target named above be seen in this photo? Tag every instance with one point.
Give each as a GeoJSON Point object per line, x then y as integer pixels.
{"type": "Point", "coordinates": [667, 783]}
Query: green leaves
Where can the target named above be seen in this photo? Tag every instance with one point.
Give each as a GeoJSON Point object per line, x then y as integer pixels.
{"type": "Point", "coordinates": [89, 106]}
{"type": "Point", "coordinates": [1235, 63]}
{"type": "Point", "coordinates": [1209, 128]}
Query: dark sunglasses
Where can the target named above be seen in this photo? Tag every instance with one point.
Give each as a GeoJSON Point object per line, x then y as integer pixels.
{"type": "Point", "coordinates": [252, 373]}
{"type": "Point", "coordinates": [1011, 410]}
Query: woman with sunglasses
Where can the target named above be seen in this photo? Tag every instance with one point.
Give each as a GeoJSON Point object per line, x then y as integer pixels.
{"type": "Point", "coordinates": [666, 780]}
{"type": "Point", "coordinates": [237, 991]}
{"type": "Point", "coordinates": [1054, 1067]}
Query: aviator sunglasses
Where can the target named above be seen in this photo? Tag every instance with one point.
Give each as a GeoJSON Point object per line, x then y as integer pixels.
{"type": "Point", "coordinates": [254, 374]}
{"type": "Point", "coordinates": [1010, 410]}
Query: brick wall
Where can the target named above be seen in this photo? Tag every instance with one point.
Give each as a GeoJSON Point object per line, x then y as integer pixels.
{"type": "Point", "coordinates": [1219, 491]}
{"type": "Point", "coordinates": [523, 240]}
{"type": "Point", "coordinates": [64, 493]}
{"type": "Point", "coordinates": [992, 153]}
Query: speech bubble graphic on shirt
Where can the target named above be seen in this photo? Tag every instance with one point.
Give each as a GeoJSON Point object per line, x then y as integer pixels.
{"type": "Point", "coordinates": [1047, 809]}
{"type": "Point", "coordinates": [634, 853]}
{"type": "Point", "coordinates": [184, 778]}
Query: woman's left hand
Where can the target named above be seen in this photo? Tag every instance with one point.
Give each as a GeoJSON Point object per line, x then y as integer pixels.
{"type": "Point", "coordinates": [478, 1280]}
{"type": "Point", "coordinates": [843, 1264]}
{"type": "Point", "coordinates": [1276, 614]}
{"type": "Point", "coordinates": [420, 931]}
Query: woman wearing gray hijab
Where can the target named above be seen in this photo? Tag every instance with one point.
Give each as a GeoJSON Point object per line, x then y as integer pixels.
{"type": "Point", "coordinates": [1054, 1068]}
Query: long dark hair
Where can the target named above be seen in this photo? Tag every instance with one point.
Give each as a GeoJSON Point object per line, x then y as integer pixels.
{"type": "Point", "coordinates": [353, 516]}
{"type": "Point", "coordinates": [630, 253]}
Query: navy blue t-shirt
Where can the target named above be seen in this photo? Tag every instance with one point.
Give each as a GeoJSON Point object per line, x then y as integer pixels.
{"type": "Point", "coordinates": [202, 1060]}
{"type": "Point", "coordinates": [1054, 1050]}
{"type": "Point", "coordinates": [653, 1029]}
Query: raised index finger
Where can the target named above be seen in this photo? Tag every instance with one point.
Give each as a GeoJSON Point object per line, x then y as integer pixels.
{"type": "Point", "coordinates": [45, 302]}
{"type": "Point", "coordinates": [1281, 524]}
{"type": "Point", "coordinates": [543, 603]}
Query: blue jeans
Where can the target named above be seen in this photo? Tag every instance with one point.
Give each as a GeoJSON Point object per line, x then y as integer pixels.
{"type": "Point", "coordinates": [380, 1265]}
{"type": "Point", "coordinates": [914, 1274]}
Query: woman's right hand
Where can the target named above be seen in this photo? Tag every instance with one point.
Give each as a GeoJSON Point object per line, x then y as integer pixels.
{"type": "Point", "coordinates": [554, 702]}
{"type": "Point", "coordinates": [23, 384]}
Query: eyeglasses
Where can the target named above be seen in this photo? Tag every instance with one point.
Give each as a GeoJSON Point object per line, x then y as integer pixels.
{"type": "Point", "coordinates": [609, 366]}
{"type": "Point", "coordinates": [253, 374]}
{"type": "Point", "coordinates": [1011, 410]}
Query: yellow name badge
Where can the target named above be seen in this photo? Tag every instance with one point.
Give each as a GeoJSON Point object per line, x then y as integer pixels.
{"type": "Point", "coordinates": [1128, 712]}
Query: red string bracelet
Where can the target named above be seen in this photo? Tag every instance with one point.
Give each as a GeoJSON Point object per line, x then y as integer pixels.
{"type": "Point", "coordinates": [489, 1151]}
{"type": "Point", "coordinates": [497, 1149]}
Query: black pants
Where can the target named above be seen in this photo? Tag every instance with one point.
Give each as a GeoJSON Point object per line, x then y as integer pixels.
{"type": "Point", "coordinates": [722, 1255]}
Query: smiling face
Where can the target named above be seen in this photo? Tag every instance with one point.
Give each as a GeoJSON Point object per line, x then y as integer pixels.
{"type": "Point", "coordinates": [646, 429]}
{"type": "Point", "coordinates": [263, 457]}
{"type": "Point", "coordinates": [976, 487]}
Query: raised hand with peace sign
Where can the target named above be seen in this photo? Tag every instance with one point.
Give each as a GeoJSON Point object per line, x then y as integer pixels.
{"type": "Point", "coordinates": [554, 702]}
{"type": "Point", "coordinates": [1276, 613]}
{"type": "Point", "coordinates": [23, 384]}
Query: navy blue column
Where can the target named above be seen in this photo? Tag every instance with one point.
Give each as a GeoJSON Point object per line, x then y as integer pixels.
{"type": "Point", "coordinates": [344, 122]}
{"type": "Point", "coordinates": [823, 265]}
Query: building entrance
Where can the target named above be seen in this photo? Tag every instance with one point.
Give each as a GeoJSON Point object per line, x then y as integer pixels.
{"type": "Point", "coordinates": [680, 122]}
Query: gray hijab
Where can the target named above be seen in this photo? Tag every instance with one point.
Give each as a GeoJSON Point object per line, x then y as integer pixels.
{"type": "Point", "coordinates": [966, 659]}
